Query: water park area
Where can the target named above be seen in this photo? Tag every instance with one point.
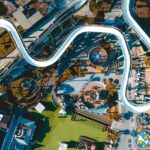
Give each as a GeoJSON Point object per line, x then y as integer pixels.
{"type": "Point", "coordinates": [74, 75]}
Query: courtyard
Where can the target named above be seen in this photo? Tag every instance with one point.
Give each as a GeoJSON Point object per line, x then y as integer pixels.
{"type": "Point", "coordinates": [57, 129]}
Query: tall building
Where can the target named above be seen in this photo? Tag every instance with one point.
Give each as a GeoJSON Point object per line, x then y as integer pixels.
{"type": "Point", "coordinates": [61, 3]}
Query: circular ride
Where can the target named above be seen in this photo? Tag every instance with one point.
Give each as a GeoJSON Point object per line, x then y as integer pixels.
{"type": "Point", "coordinates": [28, 86]}
{"type": "Point", "coordinates": [142, 139]}
{"type": "Point", "coordinates": [98, 56]}
{"type": "Point", "coordinates": [24, 92]}
{"type": "Point", "coordinates": [142, 119]}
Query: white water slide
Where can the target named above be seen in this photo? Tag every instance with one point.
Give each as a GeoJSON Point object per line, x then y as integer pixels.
{"type": "Point", "coordinates": [96, 29]}
{"type": "Point", "coordinates": [133, 24]}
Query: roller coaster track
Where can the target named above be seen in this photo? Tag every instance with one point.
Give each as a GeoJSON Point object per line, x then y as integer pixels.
{"type": "Point", "coordinates": [83, 29]}
{"type": "Point", "coordinates": [133, 24]}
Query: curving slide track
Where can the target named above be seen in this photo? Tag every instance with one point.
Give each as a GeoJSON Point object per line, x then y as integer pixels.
{"type": "Point", "coordinates": [133, 24]}
{"type": "Point", "coordinates": [96, 29]}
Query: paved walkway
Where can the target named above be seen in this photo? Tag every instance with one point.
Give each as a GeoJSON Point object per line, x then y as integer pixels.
{"type": "Point", "coordinates": [125, 140]}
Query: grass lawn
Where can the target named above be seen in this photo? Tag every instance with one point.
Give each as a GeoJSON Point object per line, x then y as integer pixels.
{"type": "Point", "coordinates": [56, 130]}
{"type": "Point", "coordinates": [6, 44]}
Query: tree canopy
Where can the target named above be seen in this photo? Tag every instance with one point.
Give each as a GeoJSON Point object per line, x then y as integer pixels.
{"type": "Point", "coordinates": [3, 9]}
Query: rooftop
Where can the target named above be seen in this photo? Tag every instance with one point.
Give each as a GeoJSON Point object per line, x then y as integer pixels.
{"type": "Point", "coordinates": [23, 134]}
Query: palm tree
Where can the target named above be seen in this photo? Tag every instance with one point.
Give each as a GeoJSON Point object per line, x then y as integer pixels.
{"type": "Point", "coordinates": [147, 61]}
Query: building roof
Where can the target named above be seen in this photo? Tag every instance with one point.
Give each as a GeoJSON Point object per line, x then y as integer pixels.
{"type": "Point", "coordinates": [63, 146]}
{"type": "Point", "coordinates": [23, 141]}
{"type": "Point", "coordinates": [24, 21]}
{"type": "Point", "coordinates": [4, 121]}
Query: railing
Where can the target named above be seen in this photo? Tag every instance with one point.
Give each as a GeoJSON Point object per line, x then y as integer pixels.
{"type": "Point", "coordinates": [98, 118]}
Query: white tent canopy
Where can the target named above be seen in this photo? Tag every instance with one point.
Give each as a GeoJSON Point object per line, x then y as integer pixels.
{"type": "Point", "coordinates": [62, 112]}
{"type": "Point", "coordinates": [63, 146]}
{"type": "Point", "coordinates": [39, 108]}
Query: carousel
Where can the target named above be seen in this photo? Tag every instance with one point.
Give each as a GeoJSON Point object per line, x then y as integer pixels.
{"type": "Point", "coordinates": [98, 56]}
